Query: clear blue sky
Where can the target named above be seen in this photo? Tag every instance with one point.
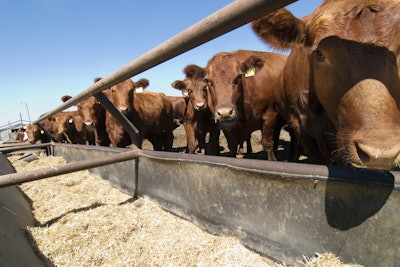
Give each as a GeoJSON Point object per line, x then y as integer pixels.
{"type": "Point", "coordinates": [51, 48]}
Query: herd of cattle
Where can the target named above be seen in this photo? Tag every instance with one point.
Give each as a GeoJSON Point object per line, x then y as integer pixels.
{"type": "Point", "coordinates": [337, 93]}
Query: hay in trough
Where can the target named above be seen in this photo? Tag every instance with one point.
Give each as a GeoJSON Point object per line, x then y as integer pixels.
{"type": "Point", "coordinates": [83, 221]}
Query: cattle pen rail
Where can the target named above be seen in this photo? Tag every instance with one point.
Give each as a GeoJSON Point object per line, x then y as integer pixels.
{"type": "Point", "coordinates": [282, 210]}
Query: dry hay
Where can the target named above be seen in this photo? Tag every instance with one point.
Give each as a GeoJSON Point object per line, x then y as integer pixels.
{"type": "Point", "coordinates": [83, 221]}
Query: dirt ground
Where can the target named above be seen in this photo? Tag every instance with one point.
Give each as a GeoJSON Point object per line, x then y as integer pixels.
{"type": "Point", "coordinates": [179, 144]}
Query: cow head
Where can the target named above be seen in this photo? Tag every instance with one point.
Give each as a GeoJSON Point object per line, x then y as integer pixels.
{"type": "Point", "coordinates": [90, 110]}
{"type": "Point", "coordinates": [33, 132]}
{"type": "Point", "coordinates": [194, 87]}
{"type": "Point", "coordinates": [121, 95]}
{"type": "Point", "coordinates": [352, 50]}
{"type": "Point", "coordinates": [226, 75]}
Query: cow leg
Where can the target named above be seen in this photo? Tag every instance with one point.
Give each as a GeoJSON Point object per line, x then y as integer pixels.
{"type": "Point", "coordinates": [156, 142]}
{"type": "Point", "coordinates": [168, 140]}
{"type": "Point", "coordinates": [268, 133]}
{"type": "Point", "coordinates": [190, 137]}
{"type": "Point", "coordinates": [213, 144]}
{"type": "Point", "coordinates": [233, 140]}
{"type": "Point", "coordinates": [201, 138]}
{"type": "Point", "coordinates": [294, 149]}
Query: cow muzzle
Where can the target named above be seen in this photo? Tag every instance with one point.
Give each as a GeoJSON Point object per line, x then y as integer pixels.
{"type": "Point", "coordinates": [374, 157]}
{"type": "Point", "coordinates": [226, 115]}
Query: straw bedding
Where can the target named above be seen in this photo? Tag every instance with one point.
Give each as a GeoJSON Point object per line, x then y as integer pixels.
{"type": "Point", "coordinates": [83, 221]}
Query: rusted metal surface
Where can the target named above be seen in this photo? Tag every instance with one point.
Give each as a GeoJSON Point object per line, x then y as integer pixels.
{"type": "Point", "coordinates": [232, 16]}
{"type": "Point", "coordinates": [282, 210]}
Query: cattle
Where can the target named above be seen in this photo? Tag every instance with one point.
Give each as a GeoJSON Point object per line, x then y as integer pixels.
{"type": "Point", "coordinates": [242, 87]}
{"type": "Point", "coordinates": [179, 104]}
{"type": "Point", "coordinates": [70, 125]}
{"type": "Point", "coordinates": [20, 135]}
{"type": "Point", "coordinates": [93, 115]}
{"type": "Point", "coordinates": [35, 134]}
{"type": "Point", "coordinates": [341, 80]}
{"type": "Point", "coordinates": [150, 112]}
{"type": "Point", "coordinates": [197, 118]}
{"type": "Point", "coordinates": [38, 134]}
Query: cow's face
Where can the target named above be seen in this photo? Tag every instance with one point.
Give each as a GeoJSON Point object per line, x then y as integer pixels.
{"type": "Point", "coordinates": [33, 133]}
{"type": "Point", "coordinates": [196, 90]}
{"type": "Point", "coordinates": [87, 110]}
{"type": "Point", "coordinates": [359, 89]}
{"type": "Point", "coordinates": [121, 95]}
{"type": "Point", "coordinates": [226, 75]}
{"type": "Point", "coordinates": [194, 87]}
{"type": "Point", "coordinates": [354, 55]}
{"type": "Point", "coordinates": [223, 77]}
{"type": "Point", "coordinates": [356, 77]}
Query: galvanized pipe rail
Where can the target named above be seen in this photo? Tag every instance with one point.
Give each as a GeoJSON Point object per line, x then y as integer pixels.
{"type": "Point", "coordinates": [7, 149]}
{"type": "Point", "coordinates": [226, 19]}
{"type": "Point", "coordinates": [23, 177]}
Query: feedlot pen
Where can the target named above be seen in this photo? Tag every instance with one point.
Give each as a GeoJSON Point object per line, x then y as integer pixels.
{"type": "Point", "coordinates": [282, 210]}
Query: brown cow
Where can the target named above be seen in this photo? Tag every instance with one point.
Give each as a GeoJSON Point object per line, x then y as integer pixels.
{"type": "Point", "coordinates": [38, 134]}
{"type": "Point", "coordinates": [198, 118]}
{"type": "Point", "coordinates": [341, 80]}
{"type": "Point", "coordinates": [70, 125]}
{"type": "Point", "coordinates": [242, 85]}
{"type": "Point", "coordinates": [93, 115]}
{"type": "Point", "coordinates": [150, 112]}
{"type": "Point", "coordinates": [178, 108]}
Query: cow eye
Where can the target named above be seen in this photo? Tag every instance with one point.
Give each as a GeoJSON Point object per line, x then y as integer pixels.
{"type": "Point", "coordinates": [189, 91]}
{"type": "Point", "coordinates": [319, 56]}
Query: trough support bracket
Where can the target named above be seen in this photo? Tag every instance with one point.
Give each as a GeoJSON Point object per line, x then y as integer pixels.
{"type": "Point", "coordinates": [122, 119]}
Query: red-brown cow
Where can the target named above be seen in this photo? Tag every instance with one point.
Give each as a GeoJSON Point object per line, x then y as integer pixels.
{"type": "Point", "coordinates": [36, 133]}
{"type": "Point", "coordinates": [243, 85]}
{"type": "Point", "coordinates": [70, 125]}
{"type": "Point", "coordinates": [150, 112]}
{"type": "Point", "coordinates": [178, 109]}
{"type": "Point", "coordinates": [198, 117]}
{"type": "Point", "coordinates": [93, 115]}
{"type": "Point", "coordinates": [341, 83]}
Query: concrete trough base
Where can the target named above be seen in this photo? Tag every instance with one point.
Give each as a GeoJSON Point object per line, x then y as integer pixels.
{"type": "Point", "coordinates": [282, 210]}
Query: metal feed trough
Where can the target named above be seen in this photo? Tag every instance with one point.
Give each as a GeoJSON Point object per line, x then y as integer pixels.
{"type": "Point", "coordinates": [282, 210]}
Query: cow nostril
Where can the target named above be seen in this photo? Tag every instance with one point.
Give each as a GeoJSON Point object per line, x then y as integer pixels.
{"type": "Point", "coordinates": [362, 155]}
{"type": "Point", "coordinates": [199, 105]}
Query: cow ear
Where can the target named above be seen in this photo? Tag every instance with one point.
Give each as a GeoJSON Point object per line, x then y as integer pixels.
{"type": "Point", "coordinates": [142, 83]}
{"type": "Point", "coordinates": [280, 29]}
{"type": "Point", "coordinates": [194, 72]}
{"type": "Point", "coordinates": [251, 65]}
{"type": "Point", "coordinates": [178, 85]}
{"type": "Point", "coordinates": [66, 98]}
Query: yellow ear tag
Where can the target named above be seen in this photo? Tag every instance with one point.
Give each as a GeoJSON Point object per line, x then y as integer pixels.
{"type": "Point", "coordinates": [250, 72]}
{"type": "Point", "coordinates": [139, 90]}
